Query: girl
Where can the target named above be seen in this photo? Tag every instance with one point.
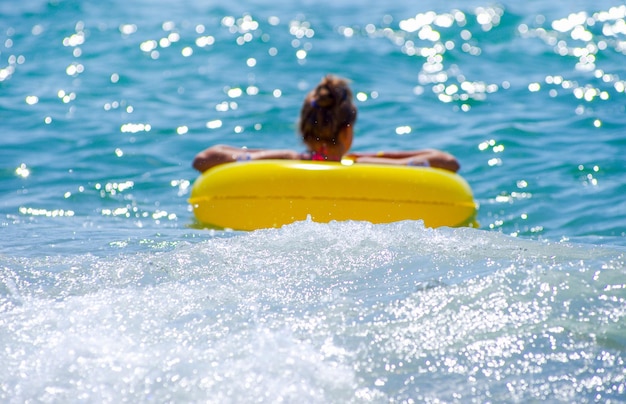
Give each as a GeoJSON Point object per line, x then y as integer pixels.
{"type": "Point", "coordinates": [326, 124]}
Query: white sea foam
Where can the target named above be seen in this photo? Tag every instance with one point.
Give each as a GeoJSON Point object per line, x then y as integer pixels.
{"type": "Point", "coordinates": [339, 312]}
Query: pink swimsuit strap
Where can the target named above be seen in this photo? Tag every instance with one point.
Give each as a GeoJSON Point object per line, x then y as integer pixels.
{"type": "Point", "coordinates": [315, 156]}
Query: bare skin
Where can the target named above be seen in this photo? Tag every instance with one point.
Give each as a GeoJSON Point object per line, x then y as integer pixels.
{"type": "Point", "coordinates": [428, 157]}
{"type": "Point", "coordinates": [220, 154]}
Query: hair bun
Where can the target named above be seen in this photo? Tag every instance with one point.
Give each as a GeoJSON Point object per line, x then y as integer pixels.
{"type": "Point", "coordinates": [326, 110]}
{"type": "Point", "coordinates": [324, 97]}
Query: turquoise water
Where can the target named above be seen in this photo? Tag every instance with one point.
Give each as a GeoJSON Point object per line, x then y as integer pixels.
{"type": "Point", "coordinates": [109, 290]}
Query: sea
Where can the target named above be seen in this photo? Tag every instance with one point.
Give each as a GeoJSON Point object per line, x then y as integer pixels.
{"type": "Point", "coordinates": [111, 291]}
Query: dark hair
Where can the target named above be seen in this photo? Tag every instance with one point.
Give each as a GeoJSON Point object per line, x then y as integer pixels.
{"type": "Point", "coordinates": [326, 110]}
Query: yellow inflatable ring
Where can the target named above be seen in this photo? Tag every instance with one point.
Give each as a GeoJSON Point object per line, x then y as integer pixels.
{"type": "Point", "coordinates": [271, 193]}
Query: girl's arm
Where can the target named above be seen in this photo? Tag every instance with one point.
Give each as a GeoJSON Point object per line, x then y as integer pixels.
{"type": "Point", "coordinates": [428, 157]}
{"type": "Point", "coordinates": [221, 154]}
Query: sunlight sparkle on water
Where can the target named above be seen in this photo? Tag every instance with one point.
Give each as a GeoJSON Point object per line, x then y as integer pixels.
{"type": "Point", "coordinates": [301, 29]}
{"type": "Point", "coordinates": [32, 99]}
{"type": "Point", "coordinates": [486, 144]}
{"type": "Point", "coordinates": [74, 69]}
{"type": "Point", "coordinates": [234, 92]}
{"type": "Point", "coordinates": [128, 29]}
{"type": "Point", "coordinates": [22, 171]}
{"type": "Point", "coordinates": [403, 130]}
{"type": "Point", "coordinates": [74, 40]}
{"type": "Point", "coordinates": [66, 97]}
{"type": "Point", "coordinates": [203, 41]}
{"type": "Point", "coordinates": [148, 46]}
{"type": "Point", "coordinates": [187, 51]}
{"type": "Point", "coordinates": [567, 34]}
{"type": "Point", "coordinates": [214, 124]}
{"type": "Point", "coordinates": [45, 212]}
{"type": "Point", "coordinates": [494, 162]}
{"type": "Point", "coordinates": [135, 127]}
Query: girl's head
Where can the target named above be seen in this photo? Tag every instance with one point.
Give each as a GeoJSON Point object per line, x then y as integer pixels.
{"type": "Point", "coordinates": [328, 112]}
